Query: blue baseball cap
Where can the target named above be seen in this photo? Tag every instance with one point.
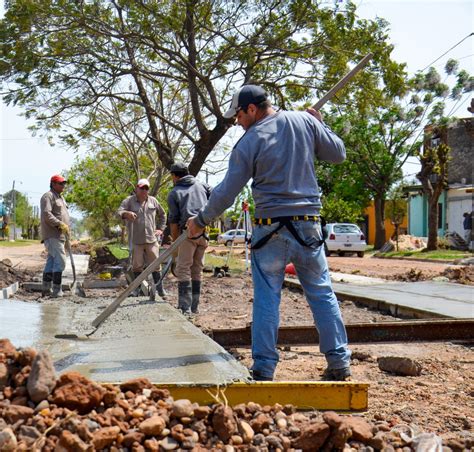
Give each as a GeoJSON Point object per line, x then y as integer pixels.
{"type": "Point", "coordinates": [248, 94]}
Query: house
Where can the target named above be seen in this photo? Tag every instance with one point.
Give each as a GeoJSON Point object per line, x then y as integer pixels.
{"type": "Point", "coordinates": [368, 225]}
{"type": "Point", "coordinates": [459, 195]}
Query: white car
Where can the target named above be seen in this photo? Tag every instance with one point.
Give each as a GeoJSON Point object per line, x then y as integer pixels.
{"type": "Point", "coordinates": [344, 238]}
{"type": "Point", "coordinates": [233, 235]}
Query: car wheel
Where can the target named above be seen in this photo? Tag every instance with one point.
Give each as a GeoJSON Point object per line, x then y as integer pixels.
{"type": "Point", "coordinates": [228, 243]}
{"type": "Point", "coordinates": [326, 250]}
{"type": "Point", "coordinates": [360, 253]}
{"type": "Point", "coordinates": [341, 253]}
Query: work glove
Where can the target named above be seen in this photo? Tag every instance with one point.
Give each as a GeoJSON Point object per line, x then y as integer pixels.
{"type": "Point", "coordinates": [64, 228]}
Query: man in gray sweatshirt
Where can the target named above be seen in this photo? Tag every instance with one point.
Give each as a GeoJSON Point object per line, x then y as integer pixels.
{"type": "Point", "coordinates": [184, 201]}
{"type": "Point", "coordinates": [277, 152]}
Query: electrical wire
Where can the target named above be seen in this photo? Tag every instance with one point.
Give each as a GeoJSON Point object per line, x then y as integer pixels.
{"type": "Point", "coordinates": [447, 51]}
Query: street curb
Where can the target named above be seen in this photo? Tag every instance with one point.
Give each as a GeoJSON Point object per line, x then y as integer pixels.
{"type": "Point", "coordinates": [7, 292]}
{"type": "Point", "coordinates": [377, 304]}
{"type": "Point", "coordinates": [436, 261]}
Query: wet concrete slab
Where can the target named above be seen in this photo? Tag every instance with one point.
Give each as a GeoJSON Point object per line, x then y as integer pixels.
{"type": "Point", "coordinates": [424, 299]}
{"type": "Point", "coordinates": [436, 299]}
{"type": "Point", "coordinates": [141, 339]}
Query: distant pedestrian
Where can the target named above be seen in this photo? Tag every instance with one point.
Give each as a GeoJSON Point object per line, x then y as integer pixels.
{"type": "Point", "coordinates": [467, 225]}
{"type": "Point", "coordinates": [54, 229]}
{"type": "Point", "coordinates": [3, 220]}
{"type": "Point", "coordinates": [148, 220]}
{"type": "Point", "coordinates": [186, 199]}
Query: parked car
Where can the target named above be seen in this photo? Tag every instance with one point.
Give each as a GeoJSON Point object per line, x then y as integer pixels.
{"type": "Point", "coordinates": [344, 238]}
{"type": "Point", "coordinates": [233, 235]}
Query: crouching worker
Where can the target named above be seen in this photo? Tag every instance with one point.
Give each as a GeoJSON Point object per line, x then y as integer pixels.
{"type": "Point", "coordinates": [184, 201]}
{"type": "Point", "coordinates": [147, 220]}
{"type": "Point", "coordinates": [54, 228]}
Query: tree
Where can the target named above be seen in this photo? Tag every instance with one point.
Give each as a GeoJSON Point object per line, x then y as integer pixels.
{"type": "Point", "coordinates": [20, 210]}
{"type": "Point", "coordinates": [97, 186]}
{"type": "Point", "coordinates": [380, 140]}
{"type": "Point", "coordinates": [396, 209]}
{"type": "Point", "coordinates": [434, 176]}
{"type": "Point", "coordinates": [176, 63]}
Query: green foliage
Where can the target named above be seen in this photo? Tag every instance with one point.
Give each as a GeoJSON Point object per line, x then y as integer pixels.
{"type": "Point", "coordinates": [20, 211]}
{"type": "Point", "coordinates": [380, 140]}
{"type": "Point", "coordinates": [97, 186]}
{"type": "Point", "coordinates": [236, 264]}
{"type": "Point", "coordinates": [213, 233]}
{"type": "Point", "coordinates": [17, 243]}
{"type": "Point", "coordinates": [117, 250]}
{"type": "Point", "coordinates": [443, 255]}
{"type": "Point", "coordinates": [244, 196]}
{"type": "Point", "coordinates": [337, 210]}
{"type": "Point", "coordinates": [165, 70]}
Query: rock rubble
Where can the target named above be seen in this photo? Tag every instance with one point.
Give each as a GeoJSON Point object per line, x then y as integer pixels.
{"type": "Point", "coordinates": [72, 413]}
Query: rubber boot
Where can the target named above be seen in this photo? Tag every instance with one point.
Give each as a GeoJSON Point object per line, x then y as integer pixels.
{"type": "Point", "coordinates": [196, 291]}
{"type": "Point", "coordinates": [136, 292]}
{"type": "Point", "coordinates": [57, 285]}
{"type": "Point", "coordinates": [159, 285]}
{"type": "Point", "coordinates": [47, 282]}
{"type": "Point", "coordinates": [184, 297]}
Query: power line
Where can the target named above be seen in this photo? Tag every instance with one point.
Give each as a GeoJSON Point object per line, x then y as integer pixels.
{"type": "Point", "coordinates": [447, 51]}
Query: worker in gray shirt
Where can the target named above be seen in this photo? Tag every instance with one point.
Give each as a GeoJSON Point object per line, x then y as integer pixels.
{"type": "Point", "coordinates": [147, 221]}
{"type": "Point", "coordinates": [277, 152]}
{"type": "Point", "coordinates": [54, 229]}
{"type": "Point", "coordinates": [184, 201]}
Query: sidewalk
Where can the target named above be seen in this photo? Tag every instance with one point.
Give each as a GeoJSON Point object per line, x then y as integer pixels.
{"type": "Point", "coordinates": [425, 299]}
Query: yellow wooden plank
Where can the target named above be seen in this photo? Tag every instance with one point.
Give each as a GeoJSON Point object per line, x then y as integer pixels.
{"type": "Point", "coordinates": [317, 395]}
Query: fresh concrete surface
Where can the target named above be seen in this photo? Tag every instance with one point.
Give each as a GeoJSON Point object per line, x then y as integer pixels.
{"type": "Point", "coordinates": [423, 299]}
{"type": "Point", "coordinates": [142, 338]}
{"type": "Point", "coordinates": [355, 279]}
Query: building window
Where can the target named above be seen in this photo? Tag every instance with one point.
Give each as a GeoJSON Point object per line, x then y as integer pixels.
{"type": "Point", "coordinates": [440, 215]}
{"type": "Point", "coordinates": [435, 142]}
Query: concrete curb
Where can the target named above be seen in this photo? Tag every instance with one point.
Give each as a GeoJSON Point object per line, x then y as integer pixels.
{"type": "Point", "coordinates": [7, 292]}
{"type": "Point", "coordinates": [435, 261]}
{"type": "Point", "coordinates": [378, 304]}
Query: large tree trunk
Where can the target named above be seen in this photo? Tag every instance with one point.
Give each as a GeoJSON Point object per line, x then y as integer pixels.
{"type": "Point", "coordinates": [432, 223]}
{"type": "Point", "coordinates": [379, 205]}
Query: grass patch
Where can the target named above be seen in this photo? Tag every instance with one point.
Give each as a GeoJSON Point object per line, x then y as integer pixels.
{"type": "Point", "coordinates": [236, 262]}
{"type": "Point", "coordinates": [118, 251]}
{"type": "Point", "coordinates": [18, 242]}
{"type": "Point", "coordinates": [447, 255]}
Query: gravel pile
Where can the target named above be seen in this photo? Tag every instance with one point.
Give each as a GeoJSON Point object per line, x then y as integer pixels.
{"type": "Point", "coordinates": [39, 411]}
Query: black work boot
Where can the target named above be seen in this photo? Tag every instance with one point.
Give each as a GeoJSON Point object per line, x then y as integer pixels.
{"type": "Point", "coordinates": [184, 297]}
{"type": "Point", "coordinates": [57, 285]}
{"type": "Point", "coordinates": [47, 282]}
{"type": "Point", "coordinates": [159, 285]}
{"type": "Point", "coordinates": [196, 291]}
{"type": "Point", "coordinates": [135, 292]}
{"type": "Point", "coordinates": [343, 374]}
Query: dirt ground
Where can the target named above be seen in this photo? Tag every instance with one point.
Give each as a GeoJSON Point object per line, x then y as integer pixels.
{"type": "Point", "coordinates": [440, 400]}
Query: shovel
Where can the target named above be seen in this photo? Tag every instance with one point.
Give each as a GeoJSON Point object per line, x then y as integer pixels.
{"type": "Point", "coordinates": [76, 288]}
{"type": "Point", "coordinates": [109, 310]}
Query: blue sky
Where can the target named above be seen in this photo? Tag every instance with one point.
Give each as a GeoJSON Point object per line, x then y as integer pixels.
{"type": "Point", "coordinates": [421, 31]}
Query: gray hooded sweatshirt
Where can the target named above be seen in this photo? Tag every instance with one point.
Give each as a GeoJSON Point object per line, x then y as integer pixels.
{"type": "Point", "coordinates": [186, 199]}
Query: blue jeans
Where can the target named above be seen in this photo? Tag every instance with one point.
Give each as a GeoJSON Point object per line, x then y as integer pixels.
{"type": "Point", "coordinates": [56, 261]}
{"type": "Point", "coordinates": [268, 272]}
